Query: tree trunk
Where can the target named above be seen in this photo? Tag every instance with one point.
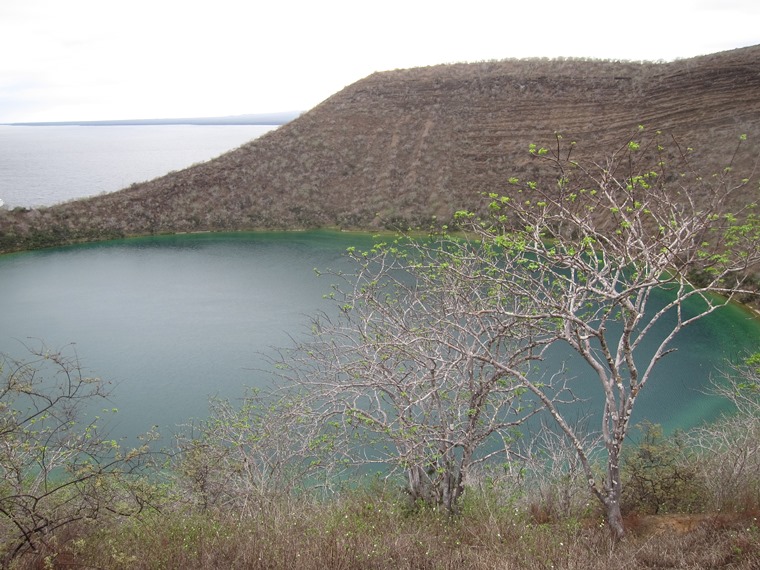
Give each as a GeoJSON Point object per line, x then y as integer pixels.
{"type": "Point", "coordinates": [615, 519]}
{"type": "Point", "coordinates": [614, 488]}
{"type": "Point", "coordinates": [448, 497]}
{"type": "Point", "coordinates": [417, 484]}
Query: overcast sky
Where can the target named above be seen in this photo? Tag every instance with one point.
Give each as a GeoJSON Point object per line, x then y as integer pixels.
{"type": "Point", "coordinates": [100, 59]}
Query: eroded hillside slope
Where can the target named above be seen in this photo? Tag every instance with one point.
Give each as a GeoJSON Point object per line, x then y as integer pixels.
{"type": "Point", "coordinates": [400, 147]}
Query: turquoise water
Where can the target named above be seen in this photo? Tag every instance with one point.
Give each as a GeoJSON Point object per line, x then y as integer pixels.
{"type": "Point", "coordinates": [677, 395]}
{"type": "Point", "coordinates": [173, 320]}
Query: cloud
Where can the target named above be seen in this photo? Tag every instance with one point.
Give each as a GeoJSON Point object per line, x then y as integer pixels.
{"type": "Point", "coordinates": [88, 59]}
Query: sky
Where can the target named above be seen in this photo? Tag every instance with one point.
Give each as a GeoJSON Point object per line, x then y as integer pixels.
{"type": "Point", "coordinates": [71, 60]}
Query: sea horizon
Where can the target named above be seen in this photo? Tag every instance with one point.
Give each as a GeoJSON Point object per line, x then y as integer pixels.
{"type": "Point", "coordinates": [277, 118]}
{"type": "Point", "coordinates": [44, 165]}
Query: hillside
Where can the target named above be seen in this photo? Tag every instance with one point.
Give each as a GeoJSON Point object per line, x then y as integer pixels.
{"type": "Point", "coordinates": [406, 145]}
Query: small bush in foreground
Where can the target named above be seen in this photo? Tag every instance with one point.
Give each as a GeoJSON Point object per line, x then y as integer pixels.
{"type": "Point", "coordinates": [660, 475]}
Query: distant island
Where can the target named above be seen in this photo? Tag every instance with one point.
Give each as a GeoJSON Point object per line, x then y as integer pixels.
{"type": "Point", "coordinates": [251, 119]}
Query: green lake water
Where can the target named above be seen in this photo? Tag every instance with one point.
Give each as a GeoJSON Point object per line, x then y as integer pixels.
{"type": "Point", "coordinates": [173, 320]}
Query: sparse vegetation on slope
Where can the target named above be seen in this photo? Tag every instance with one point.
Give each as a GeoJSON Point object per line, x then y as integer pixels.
{"type": "Point", "coordinates": [409, 146]}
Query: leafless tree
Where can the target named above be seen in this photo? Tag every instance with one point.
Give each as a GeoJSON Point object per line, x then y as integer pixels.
{"type": "Point", "coordinates": [587, 256]}
{"type": "Point", "coordinates": [403, 374]}
{"type": "Point", "coordinates": [249, 453]}
{"type": "Point", "coordinates": [729, 448]}
{"type": "Point", "coordinates": [56, 467]}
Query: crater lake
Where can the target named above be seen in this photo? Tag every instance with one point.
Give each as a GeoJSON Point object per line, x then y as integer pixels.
{"type": "Point", "coordinates": [173, 320]}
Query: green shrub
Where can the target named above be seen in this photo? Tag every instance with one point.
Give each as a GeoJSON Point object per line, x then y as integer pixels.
{"type": "Point", "coordinates": [660, 474]}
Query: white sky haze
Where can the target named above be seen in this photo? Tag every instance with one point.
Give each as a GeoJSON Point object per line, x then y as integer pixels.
{"type": "Point", "coordinates": [99, 59]}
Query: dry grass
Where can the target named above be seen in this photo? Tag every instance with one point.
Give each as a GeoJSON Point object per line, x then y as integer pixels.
{"type": "Point", "coordinates": [376, 530]}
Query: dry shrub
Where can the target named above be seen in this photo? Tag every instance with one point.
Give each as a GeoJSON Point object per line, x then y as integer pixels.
{"type": "Point", "coordinates": [728, 450]}
{"type": "Point", "coordinates": [371, 529]}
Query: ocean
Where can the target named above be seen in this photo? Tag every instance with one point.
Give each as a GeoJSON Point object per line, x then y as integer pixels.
{"type": "Point", "coordinates": [46, 165]}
